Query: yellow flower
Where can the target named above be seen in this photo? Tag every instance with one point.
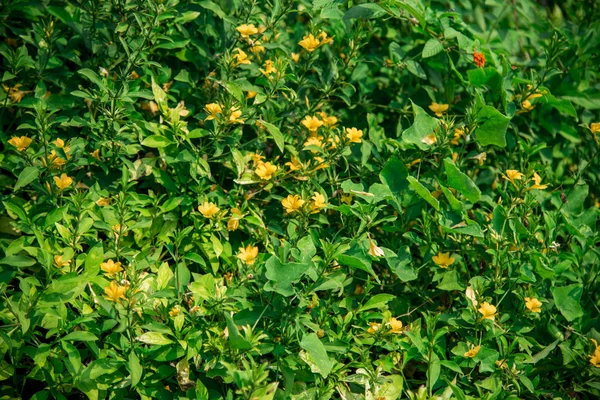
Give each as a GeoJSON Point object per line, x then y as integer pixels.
{"type": "Point", "coordinates": [318, 202]}
{"type": "Point", "coordinates": [487, 311]}
{"type": "Point", "coordinates": [328, 121]}
{"type": "Point", "coordinates": [294, 164]}
{"type": "Point", "coordinates": [213, 109]}
{"type": "Point", "coordinates": [102, 202]}
{"type": "Point", "coordinates": [346, 198]}
{"type": "Point", "coordinates": [312, 123]}
{"type": "Point", "coordinates": [21, 143]}
{"type": "Point", "coordinates": [15, 94]}
{"type": "Point", "coordinates": [63, 182]}
{"type": "Point", "coordinates": [473, 352]}
{"type": "Point", "coordinates": [438, 109]}
{"type": "Point", "coordinates": [296, 57]}
{"type": "Point", "coordinates": [269, 68]}
{"type": "Point", "coordinates": [292, 203]}
{"type": "Point", "coordinates": [533, 304]}
{"type": "Point", "coordinates": [265, 170]}
{"type": "Point", "coordinates": [595, 358]}
{"type": "Point", "coordinates": [313, 141]}
{"type": "Point", "coordinates": [241, 57]}
{"type": "Point", "coordinates": [234, 116]}
{"type": "Point", "coordinates": [251, 94]}
{"type": "Point", "coordinates": [111, 267]}
{"type": "Point", "coordinates": [354, 135]}
{"type": "Point", "coordinates": [537, 182]}
{"type": "Point", "coordinates": [248, 255]}
{"type": "Point", "coordinates": [429, 139]}
{"type": "Point", "coordinates": [324, 38]}
{"type": "Point", "coordinates": [59, 143]}
{"type": "Point", "coordinates": [257, 159]}
{"type": "Point", "coordinates": [233, 223]}
{"type": "Point", "coordinates": [481, 157]}
{"type": "Point", "coordinates": [208, 210]}
{"type": "Point", "coordinates": [174, 311]}
{"type": "Point", "coordinates": [458, 133]}
{"type": "Point", "coordinates": [246, 30]}
{"type": "Point", "coordinates": [309, 43]}
{"type": "Point", "coordinates": [443, 260]}
{"type": "Point", "coordinates": [395, 325]}
{"type": "Point", "coordinates": [114, 292]}
{"type": "Point", "coordinates": [257, 48]}
{"type": "Point", "coordinates": [59, 263]}
{"type": "Point", "coordinates": [373, 327]}
{"type": "Point", "coordinates": [375, 251]}
{"type": "Point", "coordinates": [595, 128]}
{"type": "Point", "coordinates": [512, 175]}
{"type": "Point", "coordinates": [54, 160]}
{"type": "Point", "coordinates": [95, 154]}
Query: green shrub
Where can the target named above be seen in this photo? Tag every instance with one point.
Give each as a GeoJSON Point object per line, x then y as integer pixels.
{"type": "Point", "coordinates": [299, 200]}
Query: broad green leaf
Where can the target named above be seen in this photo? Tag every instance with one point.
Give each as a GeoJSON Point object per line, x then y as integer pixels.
{"type": "Point", "coordinates": [378, 301]}
{"type": "Point", "coordinates": [28, 175]}
{"type": "Point", "coordinates": [92, 76]}
{"type": "Point", "coordinates": [432, 47]}
{"type": "Point", "coordinates": [236, 341]}
{"type": "Point", "coordinates": [93, 260]}
{"type": "Point", "coordinates": [156, 141]}
{"type": "Point", "coordinates": [567, 300]}
{"type": "Point", "coordinates": [461, 182]}
{"type": "Point", "coordinates": [135, 368]}
{"type": "Point", "coordinates": [491, 128]}
{"type": "Point", "coordinates": [423, 192]}
{"type": "Point", "coordinates": [283, 275]}
{"type": "Point", "coordinates": [18, 261]}
{"type": "Point", "coordinates": [154, 338]}
{"type": "Point", "coordinates": [423, 125]}
{"type": "Point", "coordinates": [451, 281]}
{"type": "Point", "coordinates": [322, 364]}
{"type": "Point", "coordinates": [400, 263]}
{"type": "Point", "coordinates": [80, 336]}
{"type": "Point", "coordinates": [542, 354]}
{"type": "Point", "coordinates": [276, 134]}
{"type": "Point", "coordinates": [366, 11]}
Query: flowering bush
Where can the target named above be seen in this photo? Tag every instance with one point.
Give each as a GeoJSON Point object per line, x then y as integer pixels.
{"type": "Point", "coordinates": [300, 199]}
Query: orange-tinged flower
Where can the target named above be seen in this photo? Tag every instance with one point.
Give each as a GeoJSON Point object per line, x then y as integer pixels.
{"type": "Point", "coordinates": [95, 154]}
{"type": "Point", "coordinates": [213, 110]}
{"type": "Point", "coordinates": [248, 255]}
{"type": "Point", "coordinates": [233, 223]}
{"type": "Point", "coordinates": [373, 327]}
{"type": "Point", "coordinates": [537, 183]}
{"type": "Point", "coordinates": [374, 250]}
{"type": "Point", "coordinates": [14, 93]}
{"type": "Point", "coordinates": [63, 181]}
{"type": "Point", "coordinates": [354, 135]}
{"type": "Point", "coordinates": [234, 116]}
{"type": "Point", "coordinates": [115, 292]}
{"type": "Point", "coordinates": [241, 57]}
{"type": "Point", "coordinates": [59, 143]}
{"type": "Point", "coordinates": [595, 128]}
{"type": "Point", "coordinates": [458, 133]}
{"type": "Point", "coordinates": [512, 175]}
{"type": "Point", "coordinates": [59, 262]}
{"type": "Point", "coordinates": [257, 47]}
{"type": "Point", "coordinates": [269, 68]}
{"type": "Point", "coordinates": [473, 352]}
{"type": "Point", "coordinates": [296, 57]}
{"type": "Point", "coordinates": [443, 260]}
{"type": "Point", "coordinates": [324, 38]}
{"type": "Point", "coordinates": [595, 357]}
{"type": "Point", "coordinates": [292, 203]}
{"type": "Point", "coordinates": [312, 123]}
{"type": "Point", "coordinates": [395, 325]}
{"type": "Point", "coordinates": [294, 164]}
{"type": "Point", "coordinates": [429, 139]}
{"type": "Point", "coordinates": [175, 311]}
{"type": "Point", "coordinates": [487, 311]}
{"type": "Point", "coordinates": [533, 304]}
{"type": "Point", "coordinates": [265, 170]}
{"type": "Point", "coordinates": [247, 29]}
{"type": "Point", "coordinates": [438, 109]}
{"type": "Point", "coordinates": [310, 43]}
{"type": "Point", "coordinates": [251, 95]}
{"type": "Point", "coordinates": [21, 143]}
{"type": "Point", "coordinates": [479, 59]}
{"type": "Point", "coordinates": [328, 121]}
{"type": "Point", "coordinates": [318, 202]}
{"type": "Point", "coordinates": [111, 267]}
{"type": "Point", "coordinates": [208, 210]}
{"type": "Point", "coordinates": [102, 202]}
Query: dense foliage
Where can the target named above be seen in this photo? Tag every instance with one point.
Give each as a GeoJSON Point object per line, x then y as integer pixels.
{"type": "Point", "coordinates": [300, 199]}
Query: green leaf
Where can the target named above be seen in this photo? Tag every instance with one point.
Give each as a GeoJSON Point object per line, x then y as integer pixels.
{"type": "Point", "coordinates": [154, 338]}
{"type": "Point", "coordinates": [28, 175]}
{"type": "Point", "coordinates": [283, 275]}
{"type": "Point", "coordinates": [92, 76]}
{"type": "Point", "coordinates": [492, 125]}
{"type": "Point", "coordinates": [461, 182]}
{"type": "Point", "coordinates": [400, 264]}
{"type": "Point", "coordinates": [319, 361]}
{"type": "Point", "coordinates": [18, 261]}
{"type": "Point", "coordinates": [542, 354]}
{"type": "Point", "coordinates": [357, 258]}
{"type": "Point", "coordinates": [432, 47]}
{"type": "Point", "coordinates": [423, 125]}
{"type": "Point", "coordinates": [415, 68]}
{"type": "Point", "coordinates": [394, 175]}
{"type": "Point", "coordinates": [276, 133]}
{"type": "Point", "coordinates": [366, 11]}
{"type": "Point", "coordinates": [93, 260]}
{"type": "Point", "coordinates": [236, 341]}
{"type": "Point", "coordinates": [451, 281]}
{"type": "Point", "coordinates": [235, 91]}
{"type": "Point", "coordinates": [135, 368]}
{"type": "Point", "coordinates": [156, 141]}
{"type": "Point", "coordinates": [423, 192]}
{"type": "Point", "coordinates": [567, 300]}
{"type": "Point", "coordinates": [487, 358]}
{"type": "Point", "coordinates": [80, 336]}
{"type": "Point", "coordinates": [378, 301]}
